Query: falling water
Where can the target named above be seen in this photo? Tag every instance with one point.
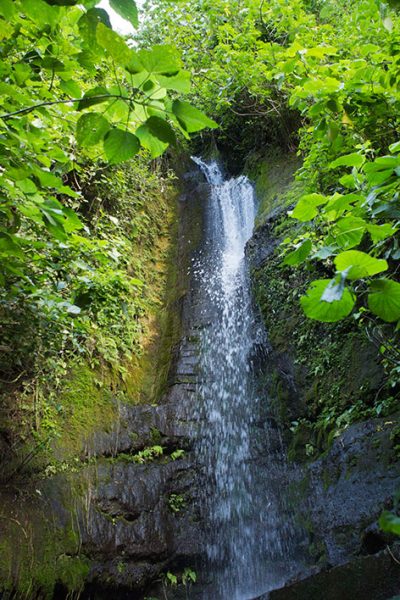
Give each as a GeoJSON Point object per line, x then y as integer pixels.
{"type": "Point", "coordinates": [247, 544]}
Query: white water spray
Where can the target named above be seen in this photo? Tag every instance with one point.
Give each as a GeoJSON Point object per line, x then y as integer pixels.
{"type": "Point", "coordinates": [247, 544]}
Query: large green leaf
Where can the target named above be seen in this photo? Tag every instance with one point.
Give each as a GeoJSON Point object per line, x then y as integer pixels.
{"type": "Point", "coordinates": [127, 9]}
{"type": "Point", "coordinates": [160, 59]}
{"type": "Point", "coordinates": [321, 310]}
{"type": "Point", "coordinates": [349, 160]}
{"type": "Point", "coordinates": [96, 95]}
{"type": "Point", "coordinates": [191, 118]}
{"type": "Point", "coordinates": [338, 204]}
{"type": "Point", "coordinates": [161, 129]}
{"type": "Point", "coordinates": [120, 145]}
{"type": "Point", "coordinates": [380, 232]}
{"type": "Point", "coordinates": [382, 163]}
{"type": "Point", "coordinates": [150, 140]}
{"type": "Point", "coordinates": [298, 255]}
{"type": "Point", "coordinates": [306, 208]}
{"type": "Point", "coordinates": [88, 25]}
{"type": "Point", "coordinates": [359, 264]}
{"type": "Point", "coordinates": [114, 44]}
{"type": "Point", "coordinates": [91, 128]}
{"type": "Point", "coordinates": [40, 12]}
{"type": "Point", "coordinates": [384, 299]}
{"type": "Point", "coordinates": [379, 177]}
{"type": "Point", "coordinates": [8, 247]}
{"type": "Point", "coordinates": [395, 147]}
{"type": "Point", "coordinates": [348, 232]}
{"type": "Point", "coordinates": [390, 522]}
{"type": "Point", "coordinates": [179, 82]}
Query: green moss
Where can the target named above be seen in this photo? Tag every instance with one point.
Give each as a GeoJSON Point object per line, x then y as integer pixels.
{"type": "Point", "coordinates": [274, 185]}
{"type": "Point", "coordinates": [86, 405]}
{"type": "Point", "coordinates": [34, 559]}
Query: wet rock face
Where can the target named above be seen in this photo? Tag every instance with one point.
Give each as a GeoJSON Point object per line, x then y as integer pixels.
{"type": "Point", "coordinates": [349, 488]}
{"type": "Point", "coordinates": [364, 578]}
{"type": "Point", "coordinates": [142, 520]}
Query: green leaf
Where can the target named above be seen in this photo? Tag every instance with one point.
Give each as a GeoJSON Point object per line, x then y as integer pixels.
{"type": "Point", "coordinates": [40, 12]}
{"type": "Point", "coordinates": [306, 208]}
{"type": "Point", "coordinates": [338, 204]}
{"type": "Point", "coordinates": [348, 232]}
{"type": "Point", "coordinates": [382, 163]}
{"type": "Point", "coordinates": [348, 181]}
{"type": "Point", "coordinates": [325, 252]}
{"type": "Point", "coordinates": [91, 128]}
{"type": "Point", "coordinates": [379, 177]}
{"type": "Point", "coordinates": [71, 220]}
{"type": "Point", "coordinates": [395, 147]}
{"type": "Point", "coordinates": [191, 118]}
{"type": "Point", "coordinates": [321, 310]}
{"type": "Point", "coordinates": [384, 299]}
{"type": "Point", "coordinates": [359, 264]}
{"type": "Point", "coordinates": [150, 141]}
{"type": "Point", "coordinates": [8, 247]}
{"type": "Point", "coordinates": [91, 97]}
{"type": "Point", "coordinates": [114, 44]}
{"type": "Point", "coordinates": [127, 9]}
{"type": "Point", "coordinates": [7, 9]}
{"type": "Point", "coordinates": [27, 186]}
{"type": "Point", "coordinates": [161, 129]}
{"type": "Point", "coordinates": [71, 88]}
{"type": "Point", "coordinates": [349, 160]}
{"type": "Point", "coordinates": [179, 82]}
{"type": "Point", "coordinates": [160, 59]}
{"type": "Point", "coordinates": [120, 145]}
{"type": "Point", "coordinates": [390, 522]}
{"type": "Point", "coordinates": [298, 255]}
{"type": "Point", "coordinates": [379, 233]}
{"type": "Point", "coordinates": [88, 24]}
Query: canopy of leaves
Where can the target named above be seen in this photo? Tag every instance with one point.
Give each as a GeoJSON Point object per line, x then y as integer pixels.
{"type": "Point", "coordinates": [336, 66]}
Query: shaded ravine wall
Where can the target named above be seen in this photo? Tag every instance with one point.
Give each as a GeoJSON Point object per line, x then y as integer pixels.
{"type": "Point", "coordinates": [120, 514]}
{"type": "Point", "coordinates": [322, 381]}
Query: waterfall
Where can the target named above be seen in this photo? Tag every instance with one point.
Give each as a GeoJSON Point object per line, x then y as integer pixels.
{"type": "Point", "coordinates": [248, 537]}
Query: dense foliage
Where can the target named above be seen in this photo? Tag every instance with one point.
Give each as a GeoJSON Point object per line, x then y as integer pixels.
{"type": "Point", "coordinates": [77, 229]}
{"type": "Point", "coordinates": [261, 60]}
{"type": "Point", "coordinates": [322, 77]}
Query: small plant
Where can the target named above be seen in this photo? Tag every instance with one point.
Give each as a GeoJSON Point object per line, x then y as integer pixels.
{"type": "Point", "coordinates": [189, 576]}
{"type": "Point", "coordinates": [179, 453]}
{"type": "Point", "coordinates": [148, 454]}
{"type": "Point", "coordinates": [176, 502]}
{"type": "Point", "coordinates": [121, 566]}
{"type": "Point", "coordinates": [389, 521]}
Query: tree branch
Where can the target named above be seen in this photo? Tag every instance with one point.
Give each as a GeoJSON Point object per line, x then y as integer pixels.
{"type": "Point", "coordinates": [29, 109]}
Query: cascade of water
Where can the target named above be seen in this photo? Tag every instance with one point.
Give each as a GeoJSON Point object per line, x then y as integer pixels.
{"type": "Point", "coordinates": [247, 543]}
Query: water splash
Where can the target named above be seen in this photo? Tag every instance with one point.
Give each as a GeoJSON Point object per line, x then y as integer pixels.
{"type": "Point", "coordinates": [248, 540]}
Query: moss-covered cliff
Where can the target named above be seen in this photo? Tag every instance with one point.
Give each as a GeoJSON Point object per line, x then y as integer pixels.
{"type": "Point", "coordinates": [68, 418]}
{"type": "Point", "coordinates": [324, 376]}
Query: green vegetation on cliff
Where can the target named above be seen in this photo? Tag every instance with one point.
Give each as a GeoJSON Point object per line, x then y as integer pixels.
{"type": "Point", "coordinates": [84, 239]}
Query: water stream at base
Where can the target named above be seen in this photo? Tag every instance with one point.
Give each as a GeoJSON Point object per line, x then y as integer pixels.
{"type": "Point", "coordinates": [249, 534]}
